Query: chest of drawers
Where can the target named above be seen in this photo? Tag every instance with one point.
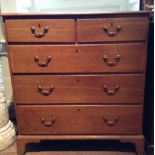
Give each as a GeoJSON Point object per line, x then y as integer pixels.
{"type": "Point", "coordinates": [78, 76]}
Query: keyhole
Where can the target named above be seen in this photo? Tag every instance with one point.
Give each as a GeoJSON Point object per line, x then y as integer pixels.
{"type": "Point", "coordinates": [112, 24]}
{"type": "Point", "coordinates": [39, 25]}
{"type": "Point", "coordinates": [76, 50]}
{"type": "Point", "coordinates": [77, 81]}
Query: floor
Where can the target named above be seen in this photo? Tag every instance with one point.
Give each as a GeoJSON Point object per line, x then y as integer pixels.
{"type": "Point", "coordinates": [12, 151]}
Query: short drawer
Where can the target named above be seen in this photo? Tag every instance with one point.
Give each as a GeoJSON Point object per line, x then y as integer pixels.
{"type": "Point", "coordinates": [40, 30]}
{"type": "Point", "coordinates": [79, 120]}
{"type": "Point", "coordinates": [81, 89]}
{"type": "Point", "coordinates": [79, 59]}
{"type": "Point", "coordinates": [112, 29]}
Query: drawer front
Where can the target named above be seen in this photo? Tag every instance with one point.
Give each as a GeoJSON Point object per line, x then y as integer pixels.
{"type": "Point", "coordinates": [40, 30]}
{"type": "Point", "coordinates": [112, 29]}
{"type": "Point", "coordinates": [71, 89]}
{"type": "Point", "coordinates": [79, 59]}
{"type": "Point", "coordinates": [79, 119]}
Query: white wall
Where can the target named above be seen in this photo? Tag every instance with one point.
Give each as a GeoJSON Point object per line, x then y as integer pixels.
{"type": "Point", "coordinates": [83, 5]}
{"type": "Point", "coordinates": [70, 5]}
{"type": "Point", "coordinates": [78, 5]}
{"type": "Point", "coordinates": [8, 6]}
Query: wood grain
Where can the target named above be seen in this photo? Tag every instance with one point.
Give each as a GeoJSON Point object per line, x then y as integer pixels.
{"type": "Point", "coordinates": [91, 30]}
{"type": "Point", "coordinates": [80, 89]}
{"type": "Point", "coordinates": [79, 59]}
{"type": "Point", "coordinates": [79, 120]}
{"type": "Point", "coordinates": [59, 30]}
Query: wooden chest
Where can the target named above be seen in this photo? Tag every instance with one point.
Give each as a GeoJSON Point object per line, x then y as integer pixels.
{"type": "Point", "coordinates": [78, 76]}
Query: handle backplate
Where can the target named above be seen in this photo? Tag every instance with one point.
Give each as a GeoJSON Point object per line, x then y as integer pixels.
{"type": "Point", "coordinates": [45, 91]}
{"type": "Point", "coordinates": [111, 92]}
{"type": "Point", "coordinates": [112, 63]}
{"type": "Point", "coordinates": [48, 123]}
{"type": "Point", "coordinates": [111, 122]}
{"type": "Point", "coordinates": [42, 64]}
{"type": "Point", "coordinates": [112, 33]}
{"type": "Point", "coordinates": [39, 34]}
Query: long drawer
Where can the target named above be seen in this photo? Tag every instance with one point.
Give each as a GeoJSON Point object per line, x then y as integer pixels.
{"type": "Point", "coordinates": [79, 59]}
{"type": "Point", "coordinates": [79, 119]}
{"type": "Point", "coordinates": [81, 89]}
{"type": "Point", "coordinates": [40, 30]}
{"type": "Point", "coordinates": [112, 29]}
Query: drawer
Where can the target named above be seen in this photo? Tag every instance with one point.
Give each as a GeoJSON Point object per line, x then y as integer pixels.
{"type": "Point", "coordinates": [79, 59]}
{"type": "Point", "coordinates": [112, 29]}
{"type": "Point", "coordinates": [81, 89]}
{"type": "Point", "coordinates": [40, 30]}
{"type": "Point", "coordinates": [79, 119]}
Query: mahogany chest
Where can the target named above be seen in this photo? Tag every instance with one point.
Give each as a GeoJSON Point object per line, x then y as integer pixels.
{"type": "Point", "coordinates": [78, 76]}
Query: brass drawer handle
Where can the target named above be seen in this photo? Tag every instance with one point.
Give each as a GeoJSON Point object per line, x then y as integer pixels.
{"type": "Point", "coordinates": [112, 122]}
{"type": "Point", "coordinates": [110, 63]}
{"type": "Point", "coordinates": [112, 33]}
{"type": "Point", "coordinates": [44, 64]}
{"type": "Point", "coordinates": [39, 34]}
{"type": "Point", "coordinates": [48, 123]}
{"type": "Point", "coordinates": [111, 92]}
{"type": "Point", "coordinates": [45, 92]}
